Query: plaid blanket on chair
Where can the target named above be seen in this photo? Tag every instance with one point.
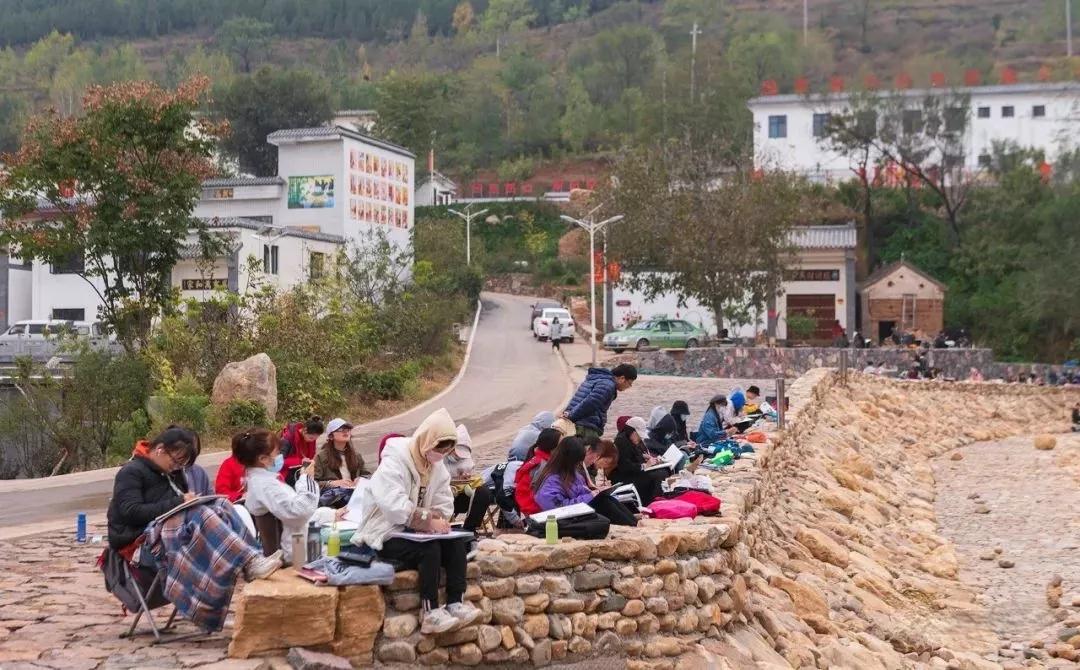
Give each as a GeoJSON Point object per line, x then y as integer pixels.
{"type": "Point", "coordinates": [202, 550]}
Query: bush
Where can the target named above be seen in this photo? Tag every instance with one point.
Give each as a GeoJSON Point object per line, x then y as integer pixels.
{"type": "Point", "coordinates": [189, 411]}
{"type": "Point", "coordinates": [237, 414]}
{"type": "Point", "coordinates": [392, 384]}
{"type": "Point", "coordinates": [125, 434]}
{"type": "Point", "coordinates": [516, 169]}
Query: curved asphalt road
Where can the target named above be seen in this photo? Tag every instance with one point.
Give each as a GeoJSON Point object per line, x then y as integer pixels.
{"type": "Point", "coordinates": [508, 379]}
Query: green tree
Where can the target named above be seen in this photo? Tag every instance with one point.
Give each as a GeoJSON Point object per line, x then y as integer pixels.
{"type": "Point", "coordinates": [137, 170]}
{"type": "Point", "coordinates": [412, 107]}
{"type": "Point", "coordinates": [507, 16]}
{"type": "Point", "coordinates": [684, 203]}
{"type": "Point", "coordinates": [616, 60]}
{"type": "Point", "coordinates": [246, 39]}
{"type": "Point", "coordinates": [270, 100]}
{"type": "Point", "coordinates": [579, 121]}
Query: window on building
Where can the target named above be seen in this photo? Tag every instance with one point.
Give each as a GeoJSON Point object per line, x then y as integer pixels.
{"type": "Point", "coordinates": [70, 314]}
{"type": "Point", "coordinates": [778, 126]}
{"type": "Point", "coordinates": [821, 124]}
{"type": "Point", "coordinates": [223, 194]}
{"type": "Point", "coordinates": [317, 265]}
{"type": "Point", "coordinates": [1038, 111]}
{"type": "Point", "coordinates": [955, 119]}
{"type": "Point", "coordinates": [75, 263]}
{"type": "Point", "coordinates": [1007, 112]}
{"type": "Point", "coordinates": [984, 112]}
{"type": "Point", "coordinates": [270, 259]}
{"type": "Point", "coordinates": [912, 121]}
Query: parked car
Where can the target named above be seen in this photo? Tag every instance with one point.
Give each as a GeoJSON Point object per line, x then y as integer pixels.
{"type": "Point", "coordinates": [658, 332]}
{"type": "Point", "coordinates": [538, 309]}
{"type": "Point", "coordinates": [39, 330]}
{"type": "Point", "coordinates": [542, 324]}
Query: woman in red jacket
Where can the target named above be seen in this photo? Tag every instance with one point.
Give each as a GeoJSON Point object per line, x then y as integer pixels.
{"type": "Point", "coordinates": [537, 456]}
{"type": "Point", "coordinates": [298, 445]}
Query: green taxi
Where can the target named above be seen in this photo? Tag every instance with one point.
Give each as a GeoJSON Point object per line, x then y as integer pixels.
{"type": "Point", "coordinates": [661, 333]}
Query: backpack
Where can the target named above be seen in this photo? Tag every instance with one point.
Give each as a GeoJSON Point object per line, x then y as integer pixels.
{"type": "Point", "coordinates": [672, 509]}
{"type": "Point", "coordinates": [707, 505]}
{"type": "Point", "coordinates": [585, 527]}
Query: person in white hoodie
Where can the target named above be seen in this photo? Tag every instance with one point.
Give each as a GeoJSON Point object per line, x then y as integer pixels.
{"type": "Point", "coordinates": [411, 490]}
{"type": "Point", "coordinates": [259, 451]}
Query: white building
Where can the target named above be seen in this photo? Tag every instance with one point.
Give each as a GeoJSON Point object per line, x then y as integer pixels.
{"type": "Point", "coordinates": [334, 184]}
{"type": "Point", "coordinates": [821, 283]}
{"type": "Point", "coordinates": [436, 189]}
{"type": "Point", "coordinates": [789, 129]}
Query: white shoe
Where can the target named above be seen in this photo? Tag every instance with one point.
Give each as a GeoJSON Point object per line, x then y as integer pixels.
{"type": "Point", "coordinates": [439, 620]}
{"type": "Point", "coordinates": [262, 567]}
{"type": "Point", "coordinates": [467, 613]}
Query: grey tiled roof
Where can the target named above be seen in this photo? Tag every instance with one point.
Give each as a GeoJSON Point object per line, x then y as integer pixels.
{"type": "Point", "coordinates": [221, 222]}
{"type": "Point", "coordinates": [824, 237]}
{"type": "Point", "coordinates": [334, 131]}
{"type": "Point", "coordinates": [242, 181]}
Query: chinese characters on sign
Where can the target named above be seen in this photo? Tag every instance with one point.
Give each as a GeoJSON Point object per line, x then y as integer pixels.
{"type": "Point", "coordinates": [812, 275]}
{"type": "Point", "coordinates": [381, 187]}
{"type": "Point", "coordinates": [204, 284]}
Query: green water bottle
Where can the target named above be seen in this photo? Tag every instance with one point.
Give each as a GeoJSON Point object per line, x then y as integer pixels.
{"type": "Point", "coordinates": [551, 530]}
{"type": "Point", "coordinates": [333, 543]}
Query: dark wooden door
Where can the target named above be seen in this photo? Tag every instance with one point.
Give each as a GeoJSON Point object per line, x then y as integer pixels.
{"type": "Point", "coordinates": [821, 308]}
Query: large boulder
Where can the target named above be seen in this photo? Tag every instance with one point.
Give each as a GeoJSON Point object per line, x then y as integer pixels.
{"type": "Point", "coordinates": [252, 379]}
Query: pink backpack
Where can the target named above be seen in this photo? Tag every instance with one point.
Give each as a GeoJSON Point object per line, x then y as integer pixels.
{"type": "Point", "coordinates": [673, 509]}
{"type": "Point", "coordinates": [707, 505]}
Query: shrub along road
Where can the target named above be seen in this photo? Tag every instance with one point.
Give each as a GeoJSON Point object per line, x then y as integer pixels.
{"type": "Point", "coordinates": [509, 377]}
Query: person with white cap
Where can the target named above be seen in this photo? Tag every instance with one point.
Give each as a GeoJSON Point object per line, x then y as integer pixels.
{"type": "Point", "coordinates": [337, 464]}
{"type": "Point", "coordinates": [634, 458]}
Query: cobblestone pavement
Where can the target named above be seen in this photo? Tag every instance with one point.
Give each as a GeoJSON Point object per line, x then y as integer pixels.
{"type": "Point", "coordinates": [1026, 503]}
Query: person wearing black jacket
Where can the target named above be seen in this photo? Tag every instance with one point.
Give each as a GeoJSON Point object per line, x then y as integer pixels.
{"type": "Point", "coordinates": [149, 485]}
{"type": "Point", "coordinates": [672, 428]}
{"type": "Point", "coordinates": [633, 460]}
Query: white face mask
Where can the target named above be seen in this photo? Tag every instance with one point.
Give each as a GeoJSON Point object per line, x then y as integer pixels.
{"type": "Point", "coordinates": [685, 417]}
{"type": "Point", "coordinates": [434, 456]}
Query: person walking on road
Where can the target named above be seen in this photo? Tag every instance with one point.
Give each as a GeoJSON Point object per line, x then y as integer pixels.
{"type": "Point", "coordinates": [589, 406]}
{"type": "Point", "coordinates": [556, 334]}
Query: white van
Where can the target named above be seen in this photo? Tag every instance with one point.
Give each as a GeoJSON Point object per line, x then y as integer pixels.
{"type": "Point", "coordinates": [39, 330]}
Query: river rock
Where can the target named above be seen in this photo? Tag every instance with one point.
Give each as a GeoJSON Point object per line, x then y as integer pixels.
{"type": "Point", "coordinates": [253, 379]}
{"type": "Point", "coordinates": [1045, 442]}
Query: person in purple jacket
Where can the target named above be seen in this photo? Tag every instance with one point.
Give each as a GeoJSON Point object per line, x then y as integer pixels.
{"type": "Point", "coordinates": [562, 482]}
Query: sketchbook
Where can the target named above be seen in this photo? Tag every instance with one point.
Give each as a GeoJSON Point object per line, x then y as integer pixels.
{"type": "Point", "coordinates": [670, 459]}
{"type": "Point", "coordinates": [568, 512]}
{"type": "Point", "coordinates": [428, 537]}
{"type": "Point", "coordinates": [201, 500]}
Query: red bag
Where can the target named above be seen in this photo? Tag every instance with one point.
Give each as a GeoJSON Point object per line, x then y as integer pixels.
{"type": "Point", "coordinates": [706, 504]}
{"type": "Point", "coordinates": [672, 509]}
{"type": "Point", "coordinates": [755, 438]}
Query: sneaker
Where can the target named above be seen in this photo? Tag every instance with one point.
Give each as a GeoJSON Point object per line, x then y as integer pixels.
{"type": "Point", "coordinates": [439, 620]}
{"type": "Point", "coordinates": [466, 613]}
{"type": "Point", "coordinates": [473, 548]}
{"type": "Point", "coordinates": [262, 567]}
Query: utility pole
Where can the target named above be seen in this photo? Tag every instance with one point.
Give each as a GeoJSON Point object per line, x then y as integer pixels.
{"type": "Point", "coordinates": [663, 98]}
{"type": "Point", "coordinates": [467, 217]}
{"type": "Point", "coordinates": [694, 32]}
{"type": "Point", "coordinates": [805, 20]}
{"type": "Point", "coordinates": [591, 226]}
{"type": "Point", "coordinates": [1068, 27]}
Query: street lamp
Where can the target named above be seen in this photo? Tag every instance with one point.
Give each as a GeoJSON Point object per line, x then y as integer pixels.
{"type": "Point", "coordinates": [592, 227]}
{"type": "Point", "coordinates": [467, 217]}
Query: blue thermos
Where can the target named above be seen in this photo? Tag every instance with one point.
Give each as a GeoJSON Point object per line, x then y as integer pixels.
{"type": "Point", "coordinates": [80, 527]}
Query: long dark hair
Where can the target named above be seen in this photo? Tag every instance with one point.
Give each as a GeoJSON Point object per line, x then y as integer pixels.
{"type": "Point", "coordinates": [565, 462]}
{"type": "Point", "coordinates": [351, 459]}
{"type": "Point", "coordinates": [546, 441]}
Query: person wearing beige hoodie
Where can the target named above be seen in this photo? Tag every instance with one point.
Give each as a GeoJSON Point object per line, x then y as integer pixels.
{"type": "Point", "coordinates": [410, 490]}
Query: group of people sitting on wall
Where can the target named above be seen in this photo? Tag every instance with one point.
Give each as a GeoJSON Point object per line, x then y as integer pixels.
{"type": "Point", "coordinates": [163, 518]}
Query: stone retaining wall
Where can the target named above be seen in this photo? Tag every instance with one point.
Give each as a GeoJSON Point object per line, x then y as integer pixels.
{"type": "Point", "coordinates": [825, 556]}
{"type": "Point", "coordinates": [764, 362]}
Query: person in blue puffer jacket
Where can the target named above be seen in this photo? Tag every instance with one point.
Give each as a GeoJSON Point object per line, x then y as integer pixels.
{"type": "Point", "coordinates": [589, 406]}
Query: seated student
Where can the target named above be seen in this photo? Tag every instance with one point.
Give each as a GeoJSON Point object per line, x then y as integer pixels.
{"type": "Point", "coordinates": [383, 442]}
{"type": "Point", "coordinates": [198, 482]}
{"type": "Point", "coordinates": [633, 458]}
{"type": "Point", "coordinates": [526, 437]}
{"type": "Point", "coordinates": [546, 443]}
{"type": "Point", "coordinates": [471, 496]}
{"type": "Point", "coordinates": [259, 451]}
{"type": "Point", "coordinates": [202, 549]}
{"type": "Point", "coordinates": [337, 463]}
{"type": "Point", "coordinates": [562, 481]}
{"type": "Point", "coordinates": [298, 445]}
{"type": "Point", "coordinates": [605, 458]}
{"type": "Point", "coordinates": [736, 401]}
{"type": "Point", "coordinates": [671, 428]}
{"type": "Point", "coordinates": [714, 423]}
{"type": "Point", "coordinates": [411, 490]}
{"type": "Point", "coordinates": [753, 400]}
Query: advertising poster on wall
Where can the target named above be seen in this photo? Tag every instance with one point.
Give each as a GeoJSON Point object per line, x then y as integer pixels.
{"type": "Point", "coordinates": [382, 189]}
{"type": "Point", "coordinates": [311, 192]}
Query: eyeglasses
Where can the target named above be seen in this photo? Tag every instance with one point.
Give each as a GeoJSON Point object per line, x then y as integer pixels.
{"type": "Point", "coordinates": [177, 462]}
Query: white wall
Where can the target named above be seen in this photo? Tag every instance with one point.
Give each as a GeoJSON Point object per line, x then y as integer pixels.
{"type": "Point", "coordinates": [694, 312]}
{"type": "Point", "coordinates": [802, 152]}
{"type": "Point", "coordinates": [314, 159]}
{"type": "Point", "coordinates": [20, 295]}
{"type": "Point", "coordinates": [246, 201]}
{"type": "Point", "coordinates": [66, 291]}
